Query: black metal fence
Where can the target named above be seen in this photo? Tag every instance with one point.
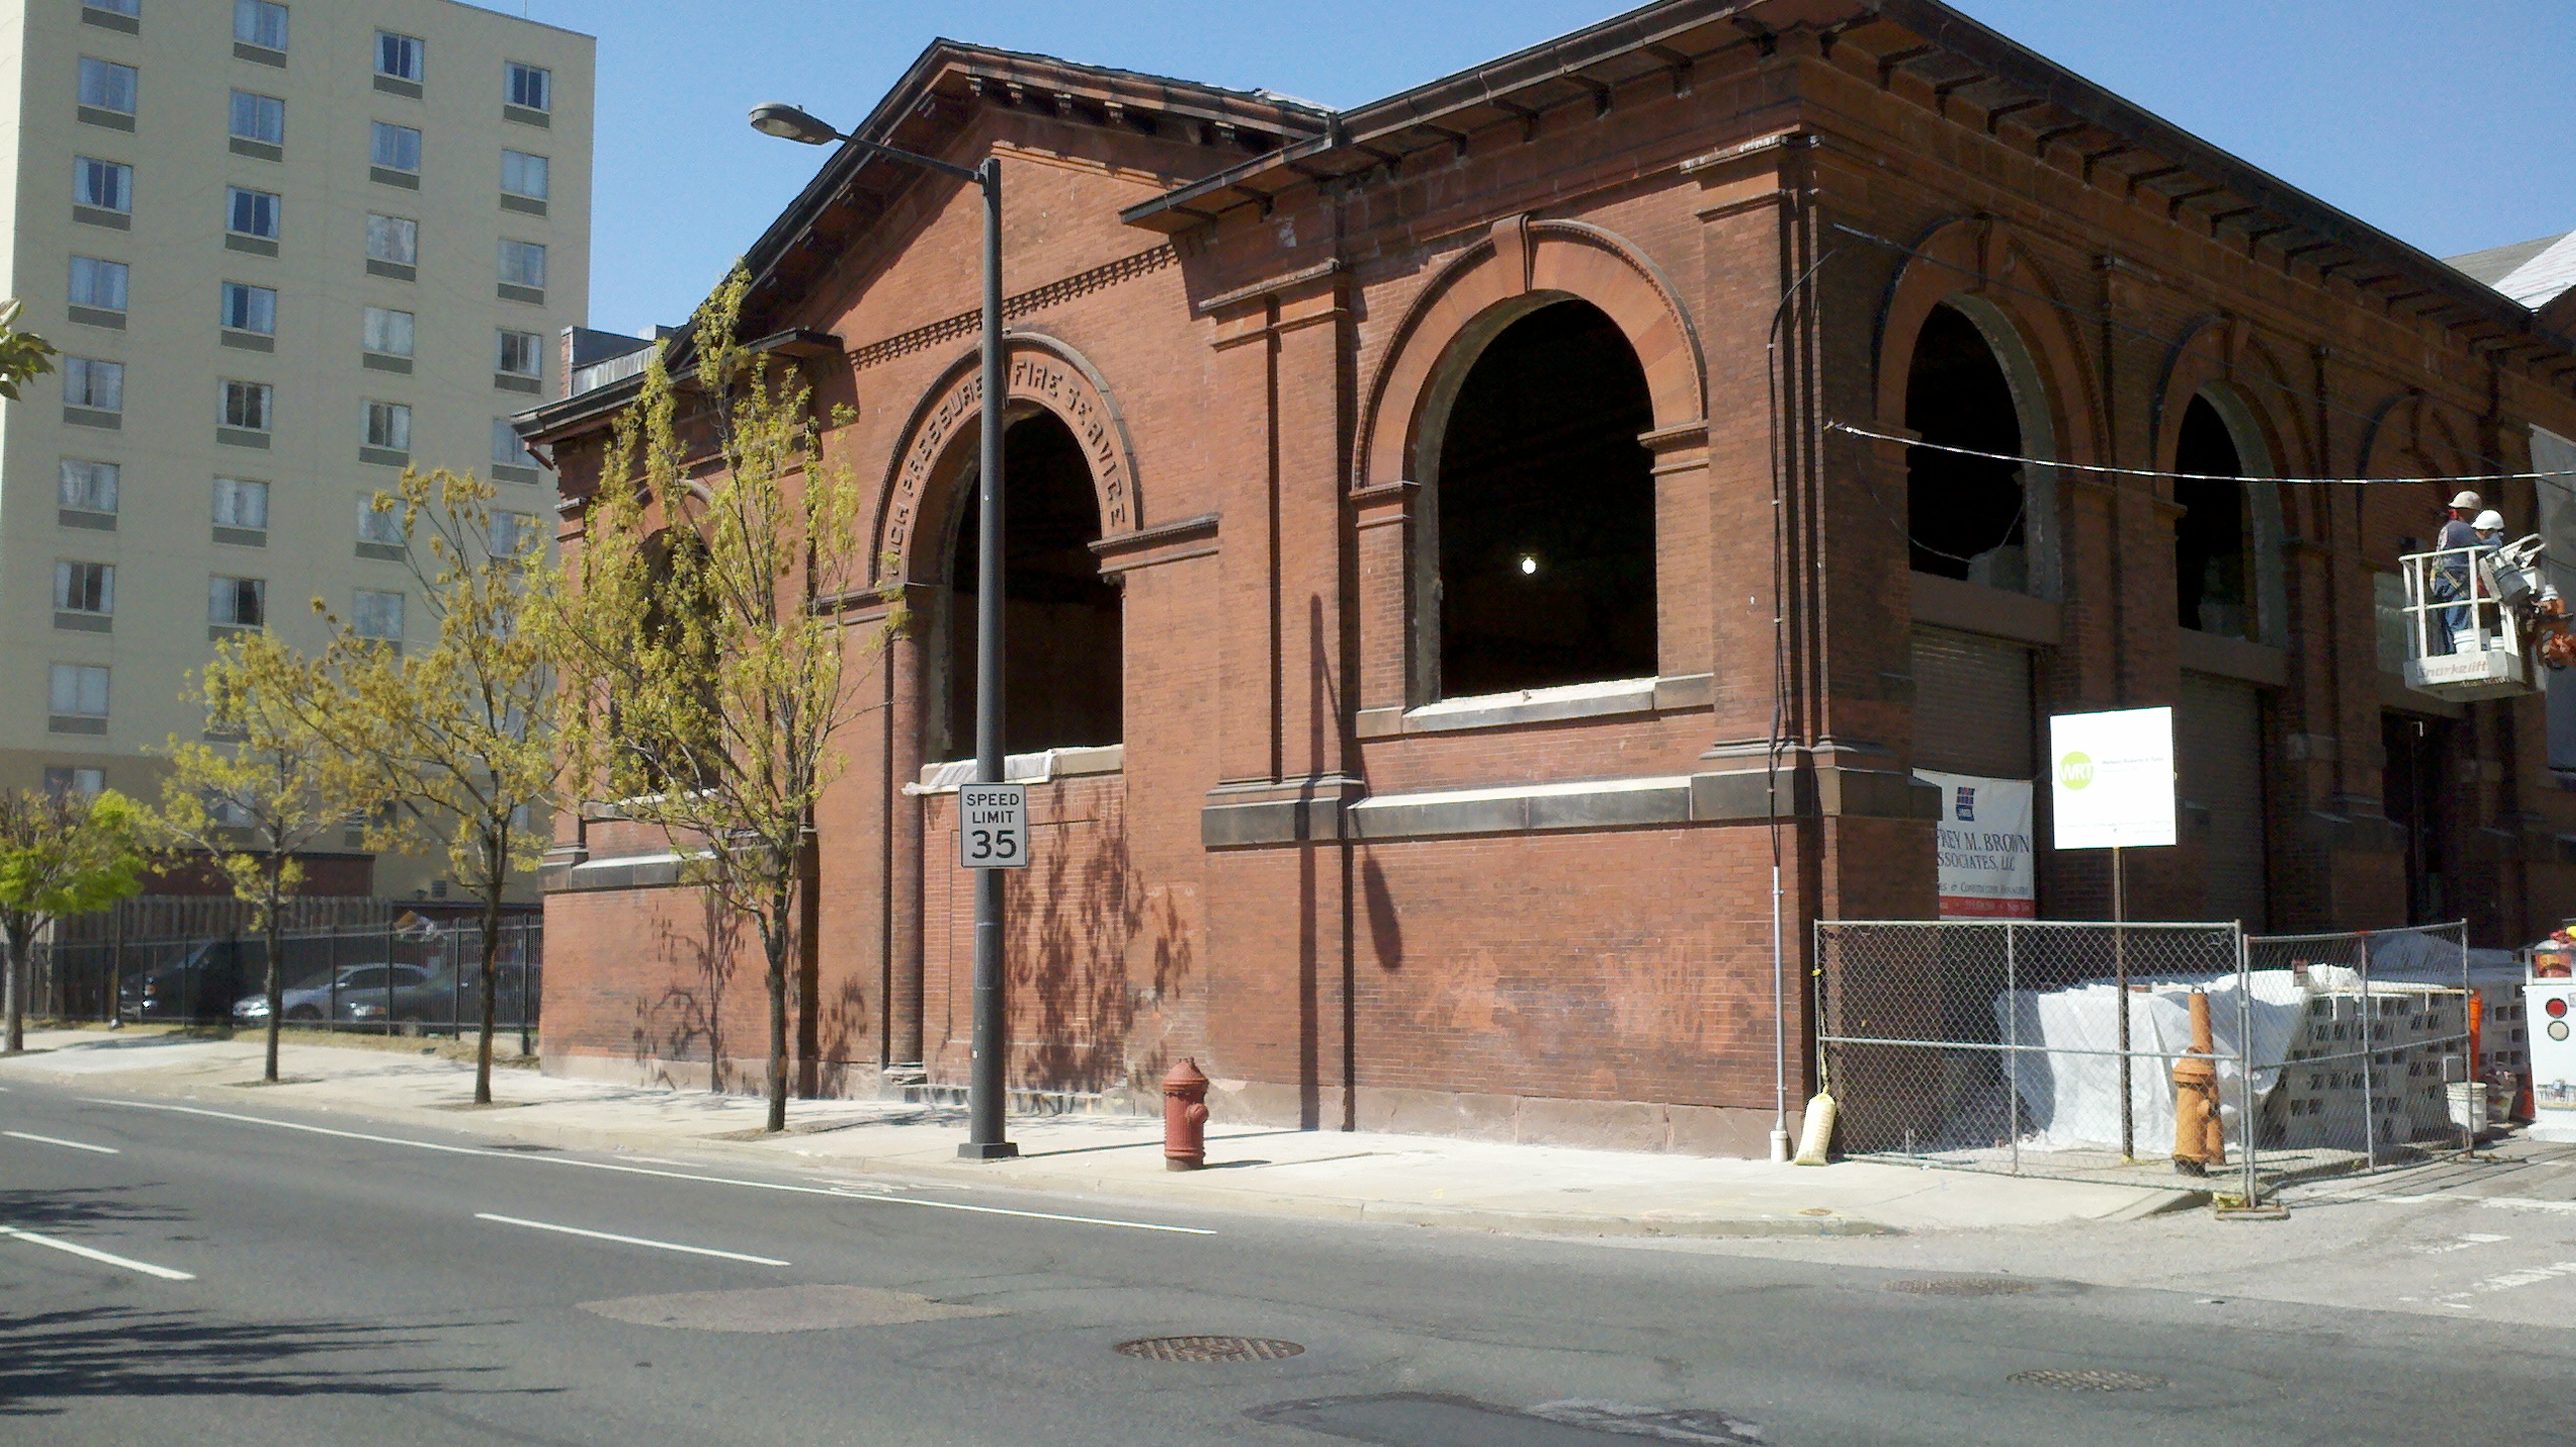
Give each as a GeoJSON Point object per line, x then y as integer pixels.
{"type": "Point", "coordinates": [398, 973]}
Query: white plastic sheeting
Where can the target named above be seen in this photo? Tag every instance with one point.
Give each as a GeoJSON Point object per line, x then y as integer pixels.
{"type": "Point", "coordinates": [2071, 1101]}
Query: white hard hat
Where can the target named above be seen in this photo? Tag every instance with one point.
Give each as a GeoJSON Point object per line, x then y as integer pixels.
{"type": "Point", "coordinates": [2468, 500]}
{"type": "Point", "coordinates": [2489, 521]}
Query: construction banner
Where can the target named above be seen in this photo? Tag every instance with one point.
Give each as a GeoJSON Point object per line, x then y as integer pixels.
{"type": "Point", "coordinates": [1983, 845]}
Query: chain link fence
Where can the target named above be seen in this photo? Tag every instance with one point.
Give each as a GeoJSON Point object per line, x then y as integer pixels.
{"type": "Point", "coordinates": [2005, 1045]}
{"type": "Point", "coordinates": [397, 974]}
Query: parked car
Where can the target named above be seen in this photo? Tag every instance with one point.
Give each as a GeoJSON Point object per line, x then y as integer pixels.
{"type": "Point", "coordinates": [356, 994]}
{"type": "Point", "coordinates": [453, 996]}
{"type": "Point", "coordinates": [202, 984]}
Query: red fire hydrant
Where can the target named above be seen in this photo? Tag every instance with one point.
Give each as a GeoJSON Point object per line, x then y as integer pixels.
{"type": "Point", "coordinates": [1185, 1116]}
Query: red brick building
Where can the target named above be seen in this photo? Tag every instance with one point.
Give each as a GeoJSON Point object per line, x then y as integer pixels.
{"type": "Point", "coordinates": [1429, 522]}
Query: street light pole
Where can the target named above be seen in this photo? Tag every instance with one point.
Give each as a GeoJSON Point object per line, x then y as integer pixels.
{"type": "Point", "coordinates": [988, 1081]}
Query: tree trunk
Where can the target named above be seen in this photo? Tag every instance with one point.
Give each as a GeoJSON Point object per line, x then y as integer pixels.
{"type": "Point", "coordinates": [773, 938]}
{"type": "Point", "coordinates": [14, 986]}
{"type": "Point", "coordinates": [276, 1002]}
{"type": "Point", "coordinates": [491, 988]}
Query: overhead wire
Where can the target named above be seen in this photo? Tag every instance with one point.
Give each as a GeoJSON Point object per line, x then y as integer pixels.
{"type": "Point", "coordinates": [2464, 478]}
{"type": "Point", "coordinates": [2105, 317]}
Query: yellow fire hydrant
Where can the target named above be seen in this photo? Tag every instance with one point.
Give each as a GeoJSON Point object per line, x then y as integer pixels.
{"type": "Point", "coordinates": [2200, 1139]}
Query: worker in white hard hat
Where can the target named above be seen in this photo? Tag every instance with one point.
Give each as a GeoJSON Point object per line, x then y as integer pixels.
{"type": "Point", "coordinates": [2450, 578]}
{"type": "Point", "coordinates": [2489, 526]}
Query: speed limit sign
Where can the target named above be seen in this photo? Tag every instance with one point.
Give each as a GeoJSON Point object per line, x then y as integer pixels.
{"type": "Point", "coordinates": [993, 826]}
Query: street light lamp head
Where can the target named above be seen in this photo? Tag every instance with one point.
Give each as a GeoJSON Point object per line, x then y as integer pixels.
{"type": "Point", "coordinates": [786, 122]}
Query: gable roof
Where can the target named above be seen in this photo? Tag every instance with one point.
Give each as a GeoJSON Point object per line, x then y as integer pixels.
{"type": "Point", "coordinates": [1924, 39]}
{"type": "Point", "coordinates": [2498, 262]}
{"type": "Point", "coordinates": [950, 78]}
{"type": "Point", "coordinates": [2534, 273]}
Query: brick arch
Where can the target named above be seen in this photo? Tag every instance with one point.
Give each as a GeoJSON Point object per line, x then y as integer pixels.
{"type": "Point", "coordinates": [2411, 435]}
{"type": "Point", "coordinates": [1045, 374]}
{"type": "Point", "coordinates": [2218, 358]}
{"type": "Point", "coordinates": [1520, 267]}
{"type": "Point", "coordinates": [2223, 357]}
{"type": "Point", "coordinates": [1980, 267]}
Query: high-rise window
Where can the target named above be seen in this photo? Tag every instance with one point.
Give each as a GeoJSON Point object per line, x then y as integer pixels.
{"type": "Point", "coordinates": [98, 284]}
{"type": "Point", "coordinates": [260, 23]}
{"type": "Point", "coordinates": [403, 57]}
{"type": "Point", "coordinates": [379, 525]}
{"type": "Point", "coordinates": [523, 263]}
{"type": "Point", "coordinates": [388, 333]}
{"type": "Point", "coordinates": [249, 404]}
{"type": "Point", "coordinates": [107, 86]}
{"type": "Point", "coordinates": [251, 213]}
{"type": "Point", "coordinates": [88, 486]}
{"type": "Point", "coordinates": [95, 384]}
{"type": "Point", "coordinates": [237, 602]}
{"type": "Point", "coordinates": [241, 503]}
{"type": "Point", "coordinates": [260, 118]}
{"type": "Point", "coordinates": [250, 308]}
{"type": "Point", "coordinates": [394, 239]}
{"type": "Point", "coordinates": [62, 780]}
{"type": "Point", "coordinates": [106, 185]}
{"type": "Point", "coordinates": [509, 534]}
{"type": "Point", "coordinates": [508, 448]}
{"type": "Point", "coordinates": [522, 354]}
{"type": "Point", "coordinates": [131, 9]}
{"type": "Point", "coordinates": [78, 690]}
{"type": "Point", "coordinates": [396, 148]}
{"type": "Point", "coordinates": [376, 615]}
{"type": "Point", "coordinates": [523, 174]}
{"type": "Point", "coordinates": [85, 588]}
{"type": "Point", "coordinates": [531, 87]}
{"type": "Point", "coordinates": [389, 426]}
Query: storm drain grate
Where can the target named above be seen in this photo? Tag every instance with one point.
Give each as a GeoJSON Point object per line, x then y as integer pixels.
{"type": "Point", "coordinates": [2087, 1379]}
{"type": "Point", "coordinates": [1963, 1286]}
{"type": "Point", "coordinates": [1210, 1349]}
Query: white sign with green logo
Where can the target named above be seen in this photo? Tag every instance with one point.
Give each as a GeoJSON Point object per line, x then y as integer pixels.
{"type": "Point", "coordinates": [2111, 778]}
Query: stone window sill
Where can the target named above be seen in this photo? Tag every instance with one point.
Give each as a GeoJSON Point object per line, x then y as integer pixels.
{"type": "Point", "coordinates": [1036, 768]}
{"type": "Point", "coordinates": [1615, 698]}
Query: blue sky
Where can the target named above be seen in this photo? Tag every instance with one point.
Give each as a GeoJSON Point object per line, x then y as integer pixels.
{"type": "Point", "coordinates": [2452, 126]}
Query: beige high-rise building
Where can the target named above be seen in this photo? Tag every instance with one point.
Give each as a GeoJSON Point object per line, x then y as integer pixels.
{"type": "Point", "coordinates": [285, 250]}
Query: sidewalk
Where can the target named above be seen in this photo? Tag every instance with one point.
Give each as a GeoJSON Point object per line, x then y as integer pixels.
{"type": "Point", "coordinates": [1414, 1180]}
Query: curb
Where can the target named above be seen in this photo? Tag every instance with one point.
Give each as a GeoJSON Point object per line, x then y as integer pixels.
{"type": "Point", "coordinates": [507, 1127]}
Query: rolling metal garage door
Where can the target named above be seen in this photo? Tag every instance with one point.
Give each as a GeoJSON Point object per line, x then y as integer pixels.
{"type": "Point", "coordinates": [1972, 706]}
{"type": "Point", "coordinates": [2218, 751]}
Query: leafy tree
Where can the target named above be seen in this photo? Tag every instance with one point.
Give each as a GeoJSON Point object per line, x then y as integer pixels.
{"type": "Point", "coordinates": [24, 356]}
{"type": "Point", "coordinates": [61, 853]}
{"type": "Point", "coordinates": [263, 792]}
{"type": "Point", "coordinates": [707, 662]}
{"type": "Point", "coordinates": [454, 745]}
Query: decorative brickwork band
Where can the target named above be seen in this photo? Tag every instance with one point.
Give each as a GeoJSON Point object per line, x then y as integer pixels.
{"type": "Point", "coordinates": [1054, 293]}
{"type": "Point", "coordinates": [1043, 371]}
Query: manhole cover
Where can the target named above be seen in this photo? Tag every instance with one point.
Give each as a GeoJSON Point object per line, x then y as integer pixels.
{"type": "Point", "coordinates": [2089, 1379]}
{"type": "Point", "coordinates": [1210, 1349]}
{"type": "Point", "coordinates": [1963, 1286]}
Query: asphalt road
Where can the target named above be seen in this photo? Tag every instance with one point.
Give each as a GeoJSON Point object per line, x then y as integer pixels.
{"type": "Point", "coordinates": [263, 1277]}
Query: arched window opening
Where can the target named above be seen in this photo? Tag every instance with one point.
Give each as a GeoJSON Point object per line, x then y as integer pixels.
{"type": "Point", "coordinates": [2213, 546]}
{"type": "Point", "coordinates": [1968, 517]}
{"type": "Point", "coordinates": [1061, 620]}
{"type": "Point", "coordinates": [1546, 510]}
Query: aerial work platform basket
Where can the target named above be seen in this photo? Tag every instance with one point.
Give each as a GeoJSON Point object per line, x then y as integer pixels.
{"type": "Point", "coordinates": [2478, 618]}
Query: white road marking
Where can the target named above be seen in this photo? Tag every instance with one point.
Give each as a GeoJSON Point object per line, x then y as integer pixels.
{"type": "Point", "coordinates": [831, 1191]}
{"type": "Point", "coordinates": [46, 1140]}
{"type": "Point", "coordinates": [2529, 1275]}
{"type": "Point", "coordinates": [2467, 1240]}
{"type": "Point", "coordinates": [94, 1254]}
{"type": "Point", "coordinates": [2466, 1198]}
{"type": "Point", "coordinates": [630, 1240]}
